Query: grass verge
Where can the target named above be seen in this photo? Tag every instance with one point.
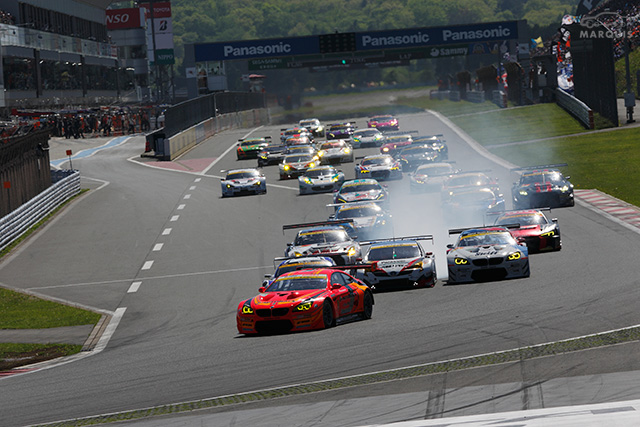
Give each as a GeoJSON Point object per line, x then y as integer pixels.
{"type": "Point", "coordinates": [13, 355]}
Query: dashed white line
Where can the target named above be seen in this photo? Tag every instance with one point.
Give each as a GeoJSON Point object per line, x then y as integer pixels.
{"type": "Point", "coordinates": [180, 207]}
{"type": "Point", "coordinates": [166, 231]}
{"type": "Point", "coordinates": [134, 287]}
{"type": "Point", "coordinates": [187, 196]}
{"type": "Point", "coordinates": [174, 218]}
{"type": "Point", "coordinates": [158, 247]}
{"type": "Point", "coordinates": [193, 187]}
{"type": "Point", "coordinates": [197, 180]}
{"type": "Point", "coordinates": [147, 265]}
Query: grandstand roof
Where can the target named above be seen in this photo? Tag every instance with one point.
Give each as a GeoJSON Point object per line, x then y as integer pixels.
{"type": "Point", "coordinates": [98, 3]}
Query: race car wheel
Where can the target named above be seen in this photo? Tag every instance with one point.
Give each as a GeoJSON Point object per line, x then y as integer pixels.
{"type": "Point", "coordinates": [327, 315]}
{"type": "Point", "coordinates": [367, 303]}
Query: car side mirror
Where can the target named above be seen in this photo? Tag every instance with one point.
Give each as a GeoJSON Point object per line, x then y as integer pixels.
{"type": "Point", "coordinates": [521, 241]}
{"type": "Point", "coordinates": [336, 286]}
{"type": "Point", "coordinates": [358, 259]}
{"type": "Point", "coordinates": [261, 289]}
{"type": "Point", "coordinates": [450, 246]}
{"type": "Point", "coordinates": [290, 244]}
{"type": "Point", "coordinates": [238, 145]}
{"type": "Point", "coordinates": [567, 177]}
{"type": "Point", "coordinates": [554, 220]}
{"type": "Point", "coordinates": [267, 276]}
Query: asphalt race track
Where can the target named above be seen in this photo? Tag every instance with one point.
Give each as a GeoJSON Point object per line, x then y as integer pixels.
{"type": "Point", "coordinates": [177, 340]}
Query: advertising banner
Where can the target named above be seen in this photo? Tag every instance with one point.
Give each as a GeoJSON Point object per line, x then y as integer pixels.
{"type": "Point", "coordinates": [119, 19]}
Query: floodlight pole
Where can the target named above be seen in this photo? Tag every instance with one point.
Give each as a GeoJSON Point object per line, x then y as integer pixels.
{"type": "Point", "coordinates": [629, 97]}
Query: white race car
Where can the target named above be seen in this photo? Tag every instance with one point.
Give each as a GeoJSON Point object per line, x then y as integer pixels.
{"type": "Point", "coordinates": [379, 167]}
{"type": "Point", "coordinates": [321, 179]}
{"type": "Point", "coordinates": [243, 181]}
{"type": "Point", "coordinates": [335, 151]}
{"type": "Point", "coordinates": [327, 238]}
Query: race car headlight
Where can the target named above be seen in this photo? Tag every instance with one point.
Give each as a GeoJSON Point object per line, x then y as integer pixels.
{"type": "Point", "coordinates": [385, 149]}
{"type": "Point", "coordinates": [377, 137]}
{"type": "Point", "coordinates": [246, 309]}
{"type": "Point", "coordinates": [380, 196]}
{"type": "Point", "coordinates": [311, 165]}
{"type": "Point", "coordinates": [351, 251]}
{"type": "Point", "coordinates": [364, 170]}
{"type": "Point", "coordinates": [347, 151]}
{"type": "Point", "coordinates": [417, 265]}
{"type": "Point", "coordinates": [263, 156]}
{"type": "Point", "coordinates": [287, 167]}
{"type": "Point", "coordinates": [523, 192]}
{"type": "Point", "coordinates": [304, 306]}
{"type": "Point", "coordinates": [256, 183]}
{"type": "Point", "coordinates": [228, 185]}
{"type": "Point", "coordinates": [514, 256]}
{"type": "Point", "coordinates": [335, 178]}
{"type": "Point", "coordinates": [356, 139]}
{"type": "Point", "coordinates": [307, 180]}
{"type": "Point", "coordinates": [395, 168]}
{"type": "Point", "coordinates": [461, 261]}
{"type": "Point", "coordinates": [321, 153]}
{"type": "Point", "coordinates": [341, 200]}
{"type": "Point", "coordinates": [565, 189]}
{"type": "Point", "coordinates": [297, 254]}
{"type": "Point", "coordinates": [548, 234]}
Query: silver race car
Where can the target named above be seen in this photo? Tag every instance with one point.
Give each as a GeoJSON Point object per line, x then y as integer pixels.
{"type": "Point", "coordinates": [361, 190]}
{"type": "Point", "coordinates": [399, 262]}
{"type": "Point", "coordinates": [321, 179]}
{"type": "Point", "coordinates": [313, 125]}
{"type": "Point", "coordinates": [326, 238]}
{"type": "Point", "coordinates": [294, 165]}
{"type": "Point", "coordinates": [380, 167]}
{"type": "Point", "coordinates": [370, 221]}
{"type": "Point", "coordinates": [486, 253]}
{"type": "Point", "coordinates": [335, 151]}
{"type": "Point", "coordinates": [430, 177]}
{"type": "Point", "coordinates": [367, 138]}
{"type": "Point", "coordinates": [243, 181]}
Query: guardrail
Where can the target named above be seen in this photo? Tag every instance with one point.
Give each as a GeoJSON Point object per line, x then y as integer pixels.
{"type": "Point", "coordinates": [499, 98]}
{"type": "Point", "coordinates": [13, 225]}
{"type": "Point", "coordinates": [475, 96]}
{"type": "Point", "coordinates": [575, 107]}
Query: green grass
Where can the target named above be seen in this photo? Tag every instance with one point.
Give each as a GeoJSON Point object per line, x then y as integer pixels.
{"type": "Point", "coordinates": [607, 161]}
{"type": "Point", "coordinates": [519, 124]}
{"type": "Point", "coordinates": [13, 355]}
{"type": "Point", "coordinates": [621, 75]}
{"type": "Point", "coordinates": [447, 107]}
{"type": "Point", "coordinates": [21, 311]}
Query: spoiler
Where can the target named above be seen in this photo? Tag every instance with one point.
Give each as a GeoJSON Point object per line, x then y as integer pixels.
{"type": "Point", "coordinates": [529, 168]}
{"type": "Point", "coordinates": [263, 137]}
{"type": "Point", "coordinates": [317, 224]}
{"type": "Point", "coordinates": [393, 239]}
{"type": "Point", "coordinates": [460, 230]}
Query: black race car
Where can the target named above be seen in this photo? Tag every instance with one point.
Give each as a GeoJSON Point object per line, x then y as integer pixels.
{"type": "Point", "coordinates": [542, 186]}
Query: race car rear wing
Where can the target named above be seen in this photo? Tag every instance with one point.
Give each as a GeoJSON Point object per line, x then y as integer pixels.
{"type": "Point", "coordinates": [317, 224]}
{"type": "Point", "coordinates": [518, 210]}
{"type": "Point", "coordinates": [530, 168]}
{"type": "Point", "coordinates": [435, 137]}
{"type": "Point", "coordinates": [393, 239]}
{"type": "Point", "coordinates": [399, 132]}
{"type": "Point", "coordinates": [460, 230]}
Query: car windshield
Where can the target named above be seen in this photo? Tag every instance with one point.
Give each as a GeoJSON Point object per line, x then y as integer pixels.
{"type": "Point", "coordinates": [297, 140]}
{"type": "Point", "coordinates": [522, 219]}
{"type": "Point", "coordinates": [333, 144]}
{"type": "Point", "coordinates": [298, 283]}
{"type": "Point", "coordinates": [417, 149]}
{"type": "Point", "coordinates": [321, 236]}
{"type": "Point", "coordinates": [306, 123]}
{"type": "Point", "coordinates": [486, 238]}
{"type": "Point", "coordinates": [383, 119]}
{"type": "Point", "coordinates": [298, 159]}
{"type": "Point", "coordinates": [552, 177]}
{"type": "Point", "coordinates": [360, 187]}
{"type": "Point", "coordinates": [252, 142]}
{"type": "Point", "coordinates": [243, 174]}
{"type": "Point", "coordinates": [367, 133]}
{"type": "Point", "coordinates": [317, 173]}
{"type": "Point", "coordinates": [473, 197]}
{"type": "Point", "coordinates": [400, 138]}
{"type": "Point", "coordinates": [434, 170]}
{"type": "Point", "coordinates": [467, 180]}
{"type": "Point", "coordinates": [274, 148]}
{"type": "Point", "coordinates": [378, 253]}
{"type": "Point", "coordinates": [294, 266]}
{"type": "Point", "coordinates": [339, 127]}
{"type": "Point", "coordinates": [377, 161]}
{"type": "Point", "coordinates": [359, 212]}
{"type": "Point", "coordinates": [301, 149]}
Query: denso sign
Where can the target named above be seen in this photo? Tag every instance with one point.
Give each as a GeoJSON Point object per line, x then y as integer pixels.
{"type": "Point", "coordinates": [118, 19]}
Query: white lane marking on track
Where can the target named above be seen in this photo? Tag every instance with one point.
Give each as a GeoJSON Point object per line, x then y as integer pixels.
{"type": "Point", "coordinates": [180, 207]}
{"type": "Point", "coordinates": [187, 196]}
{"type": "Point", "coordinates": [197, 180]}
{"type": "Point", "coordinates": [166, 231]}
{"type": "Point", "coordinates": [168, 276]}
{"type": "Point", "coordinates": [174, 218]}
{"type": "Point", "coordinates": [134, 287]}
{"type": "Point", "coordinates": [193, 187]}
{"type": "Point", "coordinates": [147, 265]}
{"type": "Point", "coordinates": [208, 168]}
{"type": "Point", "coordinates": [158, 247]}
{"type": "Point", "coordinates": [110, 330]}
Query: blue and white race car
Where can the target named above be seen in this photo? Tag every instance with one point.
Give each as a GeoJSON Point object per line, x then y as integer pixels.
{"type": "Point", "coordinates": [370, 221]}
{"type": "Point", "coordinates": [321, 179]}
{"type": "Point", "coordinates": [379, 167]}
{"type": "Point", "coordinates": [367, 138]}
{"type": "Point", "coordinates": [243, 181]}
{"type": "Point", "coordinates": [326, 238]}
{"type": "Point", "coordinates": [361, 190]}
{"type": "Point", "coordinates": [486, 253]}
{"type": "Point", "coordinates": [399, 262]}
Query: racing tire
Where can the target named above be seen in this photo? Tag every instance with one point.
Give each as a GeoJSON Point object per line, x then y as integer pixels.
{"type": "Point", "coordinates": [328, 319]}
{"type": "Point", "coordinates": [367, 306]}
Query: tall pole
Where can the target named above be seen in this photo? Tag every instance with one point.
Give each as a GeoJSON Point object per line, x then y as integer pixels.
{"type": "Point", "coordinates": [629, 97]}
{"type": "Point", "coordinates": [155, 55]}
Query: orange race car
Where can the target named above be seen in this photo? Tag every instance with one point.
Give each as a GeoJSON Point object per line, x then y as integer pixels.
{"type": "Point", "coordinates": [304, 300]}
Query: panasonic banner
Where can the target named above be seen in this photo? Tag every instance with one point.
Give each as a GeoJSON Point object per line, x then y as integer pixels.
{"type": "Point", "coordinates": [246, 49]}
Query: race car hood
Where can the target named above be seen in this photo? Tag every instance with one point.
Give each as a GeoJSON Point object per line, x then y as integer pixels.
{"type": "Point", "coordinates": [540, 187]}
{"type": "Point", "coordinates": [323, 178]}
{"type": "Point", "coordinates": [297, 165]}
{"type": "Point", "coordinates": [357, 196]}
{"type": "Point", "coordinates": [419, 156]}
{"type": "Point", "coordinates": [251, 147]}
{"type": "Point", "coordinates": [364, 222]}
{"type": "Point", "coordinates": [484, 250]}
{"type": "Point", "coordinates": [377, 168]}
{"type": "Point", "coordinates": [285, 298]}
{"type": "Point", "coordinates": [532, 230]}
{"type": "Point", "coordinates": [324, 248]}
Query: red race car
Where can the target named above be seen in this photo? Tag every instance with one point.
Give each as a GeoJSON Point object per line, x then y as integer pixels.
{"type": "Point", "coordinates": [304, 300]}
{"type": "Point", "coordinates": [383, 122]}
{"type": "Point", "coordinates": [540, 233]}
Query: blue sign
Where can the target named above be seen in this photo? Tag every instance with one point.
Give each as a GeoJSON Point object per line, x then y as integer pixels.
{"type": "Point", "coordinates": [245, 49]}
{"type": "Point", "coordinates": [365, 41]}
{"type": "Point", "coordinates": [436, 36]}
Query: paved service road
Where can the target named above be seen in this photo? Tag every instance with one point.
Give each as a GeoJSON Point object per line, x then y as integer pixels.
{"type": "Point", "coordinates": [196, 255]}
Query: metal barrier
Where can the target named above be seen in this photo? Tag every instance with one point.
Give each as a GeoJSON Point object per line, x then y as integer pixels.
{"type": "Point", "coordinates": [499, 98]}
{"type": "Point", "coordinates": [13, 225]}
{"type": "Point", "coordinates": [475, 96]}
{"type": "Point", "coordinates": [575, 107]}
